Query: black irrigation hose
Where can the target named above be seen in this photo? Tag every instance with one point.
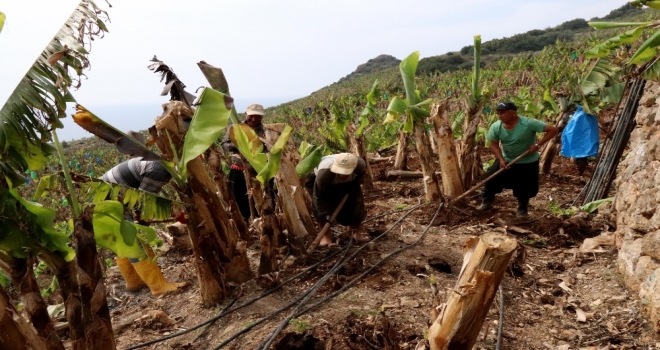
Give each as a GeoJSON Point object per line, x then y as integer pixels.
{"type": "Point", "coordinates": [601, 180]}
{"type": "Point", "coordinates": [206, 328]}
{"type": "Point", "coordinates": [245, 330]}
{"type": "Point", "coordinates": [356, 279]}
{"type": "Point", "coordinates": [269, 340]}
{"type": "Point", "coordinates": [225, 313]}
{"type": "Point", "coordinates": [273, 314]}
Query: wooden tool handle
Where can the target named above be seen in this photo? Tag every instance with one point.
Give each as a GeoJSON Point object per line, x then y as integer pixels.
{"type": "Point", "coordinates": [326, 227]}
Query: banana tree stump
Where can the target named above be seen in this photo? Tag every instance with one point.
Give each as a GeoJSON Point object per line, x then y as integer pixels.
{"type": "Point", "coordinates": [460, 319]}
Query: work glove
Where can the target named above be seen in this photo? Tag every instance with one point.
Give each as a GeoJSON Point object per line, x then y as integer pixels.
{"type": "Point", "coordinates": [180, 217]}
{"type": "Point", "coordinates": [237, 162]}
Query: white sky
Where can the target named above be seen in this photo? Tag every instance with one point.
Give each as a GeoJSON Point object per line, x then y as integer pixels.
{"type": "Point", "coordinates": [271, 51]}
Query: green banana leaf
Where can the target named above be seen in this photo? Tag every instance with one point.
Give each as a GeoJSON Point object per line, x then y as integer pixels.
{"type": "Point", "coordinates": [248, 143]}
{"type": "Point", "coordinates": [211, 117]}
{"type": "Point", "coordinates": [603, 49]}
{"type": "Point", "coordinates": [643, 52]}
{"type": "Point", "coordinates": [274, 160]}
{"type": "Point", "coordinates": [654, 4]}
{"type": "Point", "coordinates": [2, 21]}
{"type": "Point", "coordinates": [53, 240]}
{"type": "Point", "coordinates": [26, 224]}
{"type": "Point", "coordinates": [45, 185]}
{"type": "Point", "coordinates": [610, 25]}
{"type": "Point", "coordinates": [310, 162]}
{"type": "Point", "coordinates": [408, 68]}
{"type": "Point", "coordinates": [592, 206]}
{"type": "Point", "coordinates": [113, 232]}
{"type": "Point", "coordinates": [304, 148]}
{"type": "Point", "coordinates": [39, 100]}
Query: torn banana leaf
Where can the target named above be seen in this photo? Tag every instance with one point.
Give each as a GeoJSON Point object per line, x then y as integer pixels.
{"type": "Point", "coordinates": [124, 143]}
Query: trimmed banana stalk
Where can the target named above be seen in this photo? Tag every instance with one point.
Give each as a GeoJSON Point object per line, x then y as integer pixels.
{"type": "Point", "coordinates": [400, 161]}
{"type": "Point", "coordinates": [451, 175]}
{"type": "Point", "coordinates": [430, 179]}
{"type": "Point", "coordinates": [25, 283]}
{"type": "Point", "coordinates": [356, 145]}
{"type": "Point", "coordinates": [16, 331]}
{"type": "Point", "coordinates": [550, 151]}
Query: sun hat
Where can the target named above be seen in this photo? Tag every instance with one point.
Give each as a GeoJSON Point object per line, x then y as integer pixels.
{"type": "Point", "coordinates": [255, 109]}
{"type": "Point", "coordinates": [344, 163]}
{"type": "Point", "coordinates": [506, 106]}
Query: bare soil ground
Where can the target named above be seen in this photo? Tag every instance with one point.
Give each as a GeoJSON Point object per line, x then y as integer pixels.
{"type": "Point", "coordinates": [389, 308]}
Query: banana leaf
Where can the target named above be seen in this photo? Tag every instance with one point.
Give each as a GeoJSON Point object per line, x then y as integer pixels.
{"type": "Point", "coordinates": [113, 232]}
{"type": "Point", "coordinates": [310, 162]}
{"type": "Point", "coordinates": [643, 52]}
{"type": "Point", "coordinates": [408, 68]}
{"type": "Point", "coordinates": [39, 100]}
{"type": "Point", "coordinates": [125, 144]}
{"type": "Point", "coordinates": [26, 224]}
{"type": "Point", "coordinates": [2, 21]}
{"type": "Point", "coordinates": [274, 160]}
{"type": "Point", "coordinates": [592, 206]}
{"type": "Point", "coordinates": [248, 143]}
{"type": "Point", "coordinates": [211, 117]}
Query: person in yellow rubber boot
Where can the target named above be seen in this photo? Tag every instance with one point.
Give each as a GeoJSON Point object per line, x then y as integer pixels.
{"type": "Point", "coordinates": [148, 176]}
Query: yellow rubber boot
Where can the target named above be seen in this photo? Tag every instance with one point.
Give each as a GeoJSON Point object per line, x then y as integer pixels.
{"type": "Point", "coordinates": [133, 280]}
{"type": "Point", "coordinates": [150, 273]}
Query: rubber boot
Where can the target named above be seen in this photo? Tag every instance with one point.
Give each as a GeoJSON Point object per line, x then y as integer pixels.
{"type": "Point", "coordinates": [150, 273]}
{"type": "Point", "coordinates": [522, 208]}
{"type": "Point", "coordinates": [133, 280]}
{"type": "Point", "coordinates": [486, 203]}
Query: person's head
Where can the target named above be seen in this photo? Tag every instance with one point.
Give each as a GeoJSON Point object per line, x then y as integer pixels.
{"type": "Point", "coordinates": [254, 114]}
{"type": "Point", "coordinates": [344, 164]}
{"type": "Point", "coordinates": [506, 111]}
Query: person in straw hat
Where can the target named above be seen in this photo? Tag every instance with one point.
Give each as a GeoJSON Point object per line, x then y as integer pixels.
{"type": "Point", "coordinates": [336, 176]}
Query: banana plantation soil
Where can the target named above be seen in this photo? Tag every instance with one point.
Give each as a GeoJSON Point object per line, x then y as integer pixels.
{"type": "Point", "coordinates": [544, 292]}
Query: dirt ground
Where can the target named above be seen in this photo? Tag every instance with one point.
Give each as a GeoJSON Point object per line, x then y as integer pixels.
{"type": "Point", "coordinates": [389, 308]}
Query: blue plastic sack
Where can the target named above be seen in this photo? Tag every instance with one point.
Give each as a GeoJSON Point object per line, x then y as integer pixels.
{"type": "Point", "coordinates": [580, 137]}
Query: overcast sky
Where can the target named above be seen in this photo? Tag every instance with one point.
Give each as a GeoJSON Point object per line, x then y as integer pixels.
{"type": "Point", "coordinates": [271, 51]}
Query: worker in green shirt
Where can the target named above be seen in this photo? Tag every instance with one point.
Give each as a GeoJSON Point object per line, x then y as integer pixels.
{"type": "Point", "coordinates": [510, 137]}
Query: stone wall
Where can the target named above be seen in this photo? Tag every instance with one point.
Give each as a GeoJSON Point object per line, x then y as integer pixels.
{"type": "Point", "coordinates": [636, 204]}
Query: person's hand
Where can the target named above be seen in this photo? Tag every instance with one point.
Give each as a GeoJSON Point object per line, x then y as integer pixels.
{"type": "Point", "coordinates": [237, 162]}
{"type": "Point", "coordinates": [503, 164]}
{"type": "Point", "coordinates": [533, 148]}
{"type": "Point", "coordinates": [329, 219]}
{"type": "Point", "coordinates": [180, 217]}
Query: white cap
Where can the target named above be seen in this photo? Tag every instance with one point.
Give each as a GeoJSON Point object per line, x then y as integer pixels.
{"type": "Point", "coordinates": [344, 163]}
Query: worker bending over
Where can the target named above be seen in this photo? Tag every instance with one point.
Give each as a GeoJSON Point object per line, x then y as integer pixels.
{"type": "Point", "coordinates": [149, 176]}
{"type": "Point", "coordinates": [335, 176]}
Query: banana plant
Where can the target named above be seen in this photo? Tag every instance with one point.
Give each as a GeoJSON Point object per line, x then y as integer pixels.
{"type": "Point", "coordinates": [414, 111]}
{"type": "Point", "coordinates": [27, 123]}
{"type": "Point", "coordinates": [644, 55]}
{"type": "Point", "coordinates": [474, 103]}
{"type": "Point", "coordinates": [412, 108]}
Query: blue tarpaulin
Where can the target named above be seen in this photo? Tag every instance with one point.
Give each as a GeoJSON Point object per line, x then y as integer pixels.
{"type": "Point", "coordinates": [580, 137]}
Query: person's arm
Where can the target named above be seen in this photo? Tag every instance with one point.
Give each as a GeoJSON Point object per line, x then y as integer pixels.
{"type": "Point", "coordinates": [493, 137]}
{"type": "Point", "coordinates": [226, 143]}
{"type": "Point", "coordinates": [497, 152]}
{"type": "Point", "coordinates": [550, 132]}
{"type": "Point", "coordinates": [322, 189]}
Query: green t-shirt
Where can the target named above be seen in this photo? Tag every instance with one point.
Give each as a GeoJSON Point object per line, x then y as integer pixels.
{"type": "Point", "coordinates": [517, 140]}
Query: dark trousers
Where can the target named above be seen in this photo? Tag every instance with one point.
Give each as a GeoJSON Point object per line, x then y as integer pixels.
{"type": "Point", "coordinates": [523, 179]}
{"type": "Point", "coordinates": [238, 188]}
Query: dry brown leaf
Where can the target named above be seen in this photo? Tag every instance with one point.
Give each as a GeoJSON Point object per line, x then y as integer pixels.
{"type": "Point", "coordinates": [593, 245]}
{"type": "Point", "coordinates": [563, 286]}
{"type": "Point", "coordinates": [581, 316]}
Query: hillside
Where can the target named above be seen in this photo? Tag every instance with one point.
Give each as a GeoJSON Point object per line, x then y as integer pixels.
{"type": "Point", "coordinates": [531, 41]}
